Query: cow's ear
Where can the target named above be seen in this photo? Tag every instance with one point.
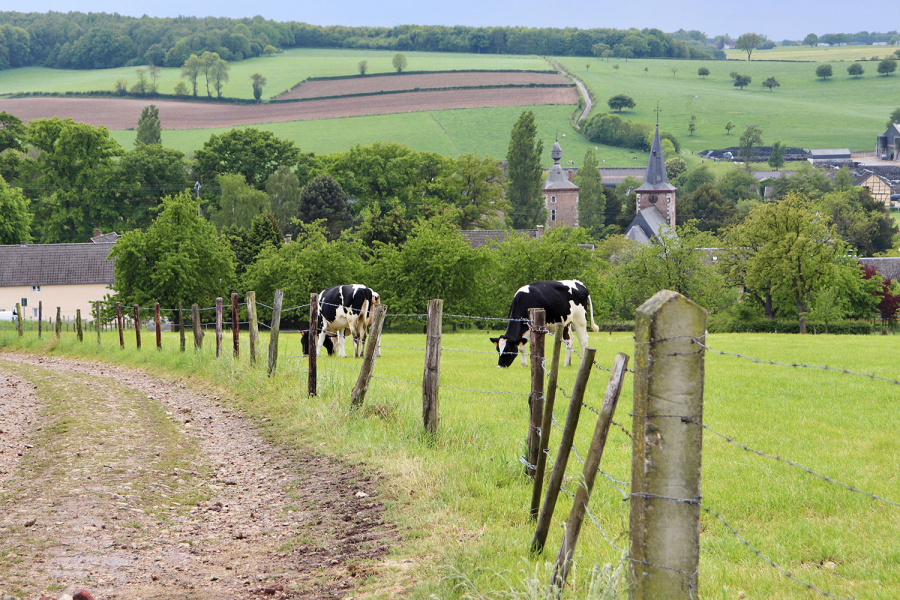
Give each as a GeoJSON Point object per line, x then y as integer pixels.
{"type": "Point", "coordinates": [303, 333]}
{"type": "Point", "coordinates": [522, 341]}
{"type": "Point", "coordinates": [496, 340]}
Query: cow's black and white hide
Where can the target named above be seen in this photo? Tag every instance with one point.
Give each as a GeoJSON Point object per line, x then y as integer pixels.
{"type": "Point", "coordinates": [347, 308]}
{"type": "Point", "coordinates": [327, 344]}
{"type": "Point", "coordinates": [566, 302]}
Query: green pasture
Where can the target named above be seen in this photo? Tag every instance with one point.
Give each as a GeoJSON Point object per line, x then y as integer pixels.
{"type": "Point", "coordinates": [816, 54]}
{"type": "Point", "coordinates": [461, 501]}
{"type": "Point", "coordinates": [804, 111]}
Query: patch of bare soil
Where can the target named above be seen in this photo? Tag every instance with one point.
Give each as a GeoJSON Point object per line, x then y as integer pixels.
{"type": "Point", "coordinates": [373, 84]}
{"type": "Point", "coordinates": [123, 113]}
{"type": "Point", "coordinates": [133, 487]}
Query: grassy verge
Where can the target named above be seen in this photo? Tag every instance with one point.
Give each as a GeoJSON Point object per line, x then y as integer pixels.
{"type": "Point", "coordinates": [462, 502]}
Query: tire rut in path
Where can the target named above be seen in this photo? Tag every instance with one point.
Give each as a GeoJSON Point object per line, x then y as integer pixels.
{"type": "Point", "coordinates": [134, 487]}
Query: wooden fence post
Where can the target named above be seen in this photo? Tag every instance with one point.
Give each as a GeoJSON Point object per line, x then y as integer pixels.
{"type": "Point", "coordinates": [254, 326]}
{"type": "Point", "coordinates": [546, 423]}
{"type": "Point", "coordinates": [58, 325]}
{"type": "Point", "coordinates": [137, 326]}
{"type": "Point", "coordinates": [235, 324]}
{"type": "Point", "coordinates": [195, 325]}
{"type": "Point", "coordinates": [431, 379]}
{"type": "Point", "coordinates": [120, 322]}
{"type": "Point", "coordinates": [97, 320]}
{"type": "Point", "coordinates": [565, 447]}
{"type": "Point", "coordinates": [312, 337]}
{"type": "Point", "coordinates": [536, 322]}
{"type": "Point", "coordinates": [365, 372]}
{"type": "Point", "coordinates": [158, 321]}
{"type": "Point", "coordinates": [19, 319]}
{"type": "Point", "coordinates": [665, 468]}
{"type": "Point", "coordinates": [181, 339]}
{"type": "Point", "coordinates": [273, 336]}
{"type": "Point", "coordinates": [78, 330]}
{"type": "Point", "coordinates": [589, 473]}
{"type": "Point", "coordinates": [40, 318]}
{"type": "Point", "coordinates": [218, 327]}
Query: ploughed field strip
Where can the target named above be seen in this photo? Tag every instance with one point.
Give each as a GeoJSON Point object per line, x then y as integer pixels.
{"type": "Point", "coordinates": [133, 487]}
{"type": "Point", "coordinates": [373, 84]}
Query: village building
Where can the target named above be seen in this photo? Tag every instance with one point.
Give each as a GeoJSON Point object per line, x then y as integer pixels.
{"type": "Point", "coordinates": [887, 145]}
{"type": "Point", "coordinates": [560, 193]}
{"type": "Point", "coordinates": [834, 156]}
{"type": "Point", "coordinates": [655, 199]}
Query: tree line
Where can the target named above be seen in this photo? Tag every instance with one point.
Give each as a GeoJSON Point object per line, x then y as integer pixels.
{"type": "Point", "coordinates": [77, 40]}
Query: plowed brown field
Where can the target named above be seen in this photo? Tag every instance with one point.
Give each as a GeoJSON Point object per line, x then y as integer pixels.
{"type": "Point", "coordinates": [123, 113]}
{"type": "Point", "coordinates": [423, 81]}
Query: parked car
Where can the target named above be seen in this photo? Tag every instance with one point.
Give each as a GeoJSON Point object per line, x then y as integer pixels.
{"type": "Point", "coordinates": [8, 315]}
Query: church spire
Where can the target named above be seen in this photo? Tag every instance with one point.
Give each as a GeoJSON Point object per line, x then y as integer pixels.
{"type": "Point", "coordinates": [656, 166]}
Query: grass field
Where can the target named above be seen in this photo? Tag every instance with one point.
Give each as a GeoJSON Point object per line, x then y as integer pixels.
{"type": "Point", "coordinates": [461, 503]}
{"type": "Point", "coordinates": [816, 54]}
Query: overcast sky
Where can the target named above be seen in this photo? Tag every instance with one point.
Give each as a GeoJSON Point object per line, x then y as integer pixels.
{"type": "Point", "coordinates": [777, 19]}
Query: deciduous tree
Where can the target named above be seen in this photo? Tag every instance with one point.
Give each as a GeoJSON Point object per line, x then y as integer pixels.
{"type": "Point", "coordinates": [253, 153]}
{"type": "Point", "coordinates": [523, 172]}
{"type": "Point", "coordinates": [591, 197]}
{"type": "Point", "coordinates": [748, 42]}
{"type": "Point", "coordinates": [887, 66]}
{"type": "Point", "coordinates": [742, 81]}
{"type": "Point", "coordinates": [894, 118]}
{"type": "Point", "coordinates": [149, 129]}
{"type": "Point", "coordinates": [258, 82]}
{"type": "Point", "coordinates": [239, 202]}
{"type": "Point", "coordinates": [855, 70]}
{"type": "Point", "coordinates": [191, 69]}
{"type": "Point", "coordinates": [811, 40]}
{"type": "Point", "coordinates": [771, 83]}
{"type": "Point", "coordinates": [824, 71]}
{"type": "Point", "coordinates": [703, 72]}
{"type": "Point", "coordinates": [15, 225]}
{"type": "Point", "coordinates": [323, 199]}
{"type": "Point", "coordinates": [399, 62]}
{"type": "Point", "coordinates": [362, 66]}
{"type": "Point", "coordinates": [620, 101]}
{"type": "Point", "coordinates": [751, 138]}
{"type": "Point", "coordinates": [776, 160]}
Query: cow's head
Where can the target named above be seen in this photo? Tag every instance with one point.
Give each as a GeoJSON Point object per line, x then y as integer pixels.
{"type": "Point", "coordinates": [327, 344]}
{"type": "Point", "coordinates": [508, 349]}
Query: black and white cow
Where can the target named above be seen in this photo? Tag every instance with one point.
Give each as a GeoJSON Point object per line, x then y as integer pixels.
{"type": "Point", "coordinates": [566, 302]}
{"type": "Point", "coordinates": [304, 342]}
{"type": "Point", "coordinates": [346, 308]}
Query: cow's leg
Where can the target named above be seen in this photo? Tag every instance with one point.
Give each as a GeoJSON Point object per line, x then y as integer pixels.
{"type": "Point", "coordinates": [568, 361]}
{"type": "Point", "coordinates": [530, 339]}
{"type": "Point", "coordinates": [581, 332]}
{"type": "Point", "coordinates": [340, 343]}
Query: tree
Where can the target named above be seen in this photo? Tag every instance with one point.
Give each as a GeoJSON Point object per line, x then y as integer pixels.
{"type": "Point", "coordinates": [748, 42]}
{"type": "Point", "coordinates": [855, 70]}
{"type": "Point", "coordinates": [674, 71]}
{"type": "Point", "coordinates": [253, 153]}
{"type": "Point", "coordinates": [144, 176]}
{"type": "Point", "coordinates": [258, 81]}
{"type": "Point", "coordinates": [191, 69]}
{"type": "Point", "coordinates": [523, 173]}
{"type": "Point", "coordinates": [776, 160]}
{"type": "Point", "coordinates": [218, 72]}
{"type": "Point", "coordinates": [675, 166]}
{"type": "Point", "coordinates": [283, 188]}
{"type": "Point", "coordinates": [741, 81]}
{"type": "Point", "coordinates": [708, 207]}
{"type": "Point", "coordinates": [751, 137]}
{"type": "Point", "coordinates": [149, 130]}
{"type": "Point", "coordinates": [141, 87]}
{"type": "Point", "coordinates": [738, 185]}
{"type": "Point", "coordinates": [894, 118]}
{"type": "Point", "coordinates": [179, 258]}
{"type": "Point", "coordinates": [771, 83]}
{"type": "Point", "coordinates": [399, 62]}
{"type": "Point", "coordinates": [703, 72]}
{"type": "Point", "coordinates": [12, 132]}
{"type": "Point", "coordinates": [692, 179]}
{"type": "Point", "coordinates": [733, 74]}
{"type": "Point", "coordinates": [323, 198]}
{"type": "Point", "coordinates": [476, 187]}
{"type": "Point", "coordinates": [620, 101]}
{"type": "Point", "coordinates": [181, 90]}
{"type": "Point", "coordinates": [728, 127]}
{"type": "Point", "coordinates": [362, 66]}
{"type": "Point", "coordinates": [591, 197]}
{"type": "Point", "coordinates": [692, 125]}
{"type": "Point", "coordinates": [811, 40]}
{"type": "Point", "coordinates": [823, 71]}
{"type": "Point", "coordinates": [238, 202]}
{"type": "Point", "coordinates": [15, 225]}
{"type": "Point", "coordinates": [887, 66]}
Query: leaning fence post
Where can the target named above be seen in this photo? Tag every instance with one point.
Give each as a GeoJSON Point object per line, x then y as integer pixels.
{"type": "Point", "coordinates": [40, 318]}
{"type": "Point", "coordinates": [589, 473]}
{"type": "Point", "coordinates": [120, 322]}
{"type": "Point", "coordinates": [218, 327]}
{"type": "Point", "coordinates": [276, 327]}
{"type": "Point", "coordinates": [565, 447]}
{"type": "Point", "coordinates": [158, 322]}
{"type": "Point", "coordinates": [665, 468]}
{"type": "Point", "coordinates": [546, 423]}
{"type": "Point", "coordinates": [19, 319]}
{"type": "Point", "coordinates": [137, 326]}
{"type": "Point", "coordinates": [365, 373]}
{"type": "Point", "coordinates": [57, 326]}
{"type": "Point", "coordinates": [78, 330]}
{"type": "Point", "coordinates": [196, 326]}
{"type": "Point", "coordinates": [97, 320]}
{"type": "Point", "coordinates": [235, 324]}
{"type": "Point", "coordinates": [312, 344]}
{"type": "Point", "coordinates": [254, 326]}
{"type": "Point", "coordinates": [431, 379]}
{"type": "Point", "coordinates": [536, 320]}
{"type": "Point", "coordinates": [181, 340]}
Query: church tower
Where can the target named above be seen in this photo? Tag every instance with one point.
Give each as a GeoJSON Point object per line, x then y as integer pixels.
{"type": "Point", "coordinates": [560, 194]}
{"type": "Point", "coordinates": [656, 189]}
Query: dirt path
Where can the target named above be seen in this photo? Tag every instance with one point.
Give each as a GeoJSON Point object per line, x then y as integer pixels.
{"type": "Point", "coordinates": [132, 487]}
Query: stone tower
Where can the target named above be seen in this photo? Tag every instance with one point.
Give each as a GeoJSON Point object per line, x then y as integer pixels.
{"type": "Point", "coordinates": [656, 189]}
{"type": "Point", "coordinates": [560, 194]}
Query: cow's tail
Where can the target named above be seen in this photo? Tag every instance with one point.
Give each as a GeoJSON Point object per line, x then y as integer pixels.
{"type": "Point", "coordinates": [591, 310]}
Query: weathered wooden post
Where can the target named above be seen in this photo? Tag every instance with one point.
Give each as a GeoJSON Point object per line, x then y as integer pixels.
{"type": "Point", "coordinates": [254, 326]}
{"type": "Point", "coordinates": [181, 340]}
{"type": "Point", "coordinates": [40, 318]}
{"type": "Point", "coordinates": [565, 447]}
{"type": "Point", "coordinates": [158, 321]}
{"type": "Point", "coordinates": [19, 326]}
{"type": "Point", "coordinates": [358, 395]}
{"type": "Point", "coordinates": [546, 423]}
{"type": "Point", "coordinates": [120, 322]}
{"type": "Point", "coordinates": [431, 379]}
{"type": "Point", "coordinates": [218, 327]}
{"type": "Point", "coordinates": [137, 326]}
{"type": "Point", "coordinates": [665, 468]}
{"type": "Point", "coordinates": [235, 324]}
{"type": "Point", "coordinates": [589, 473]}
{"type": "Point", "coordinates": [273, 336]}
{"type": "Point", "coordinates": [312, 337]}
{"type": "Point", "coordinates": [97, 320]}
{"type": "Point", "coordinates": [78, 330]}
{"type": "Point", "coordinates": [57, 326]}
{"type": "Point", "coordinates": [536, 321]}
{"type": "Point", "coordinates": [195, 325]}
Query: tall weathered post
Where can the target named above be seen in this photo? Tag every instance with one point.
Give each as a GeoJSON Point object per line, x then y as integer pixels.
{"type": "Point", "coordinates": [276, 328]}
{"type": "Point", "coordinates": [312, 344]}
{"type": "Point", "coordinates": [137, 326]}
{"type": "Point", "coordinates": [97, 320]}
{"type": "Point", "coordinates": [182, 341]}
{"type": "Point", "coordinates": [665, 468]}
{"type": "Point", "coordinates": [358, 395]}
{"type": "Point", "coordinates": [546, 423]}
{"type": "Point", "coordinates": [19, 326]}
{"type": "Point", "coordinates": [120, 322]}
{"type": "Point", "coordinates": [196, 326]}
{"type": "Point", "coordinates": [235, 325]}
{"type": "Point", "coordinates": [57, 326]}
{"type": "Point", "coordinates": [431, 379]}
{"type": "Point", "coordinates": [254, 326]}
{"type": "Point", "coordinates": [78, 330]}
{"type": "Point", "coordinates": [40, 318]}
{"type": "Point", "coordinates": [218, 327]}
{"type": "Point", "coordinates": [536, 321]}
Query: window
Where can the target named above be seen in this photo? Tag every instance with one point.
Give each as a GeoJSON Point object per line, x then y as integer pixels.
{"type": "Point", "coordinates": [35, 289]}
{"type": "Point", "coordinates": [34, 313]}
{"type": "Point", "coordinates": [24, 302]}
{"type": "Point", "coordinates": [552, 214]}
{"type": "Point", "coordinates": [553, 199]}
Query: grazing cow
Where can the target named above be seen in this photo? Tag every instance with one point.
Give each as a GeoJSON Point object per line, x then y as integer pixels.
{"type": "Point", "coordinates": [565, 302]}
{"type": "Point", "coordinates": [346, 308]}
{"type": "Point", "coordinates": [304, 342]}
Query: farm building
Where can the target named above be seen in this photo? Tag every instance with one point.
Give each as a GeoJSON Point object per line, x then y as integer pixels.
{"type": "Point", "coordinates": [479, 237]}
{"type": "Point", "coordinates": [655, 199]}
{"type": "Point", "coordinates": [887, 145]}
{"type": "Point", "coordinates": [878, 185]}
{"type": "Point", "coordinates": [887, 266]}
{"type": "Point", "coordinates": [560, 194]}
{"type": "Point", "coordinates": [69, 276]}
{"type": "Point", "coordinates": [833, 156]}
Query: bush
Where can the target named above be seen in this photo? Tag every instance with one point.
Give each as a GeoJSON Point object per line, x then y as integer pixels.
{"type": "Point", "coordinates": [725, 323]}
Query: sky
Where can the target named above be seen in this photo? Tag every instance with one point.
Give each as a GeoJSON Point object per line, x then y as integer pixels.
{"type": "Point", "coordinates": [777, 19]}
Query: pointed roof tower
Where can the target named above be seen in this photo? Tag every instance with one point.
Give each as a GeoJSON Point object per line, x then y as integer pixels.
{"type": "Point", "coordinates": [655, 178]}
{"type": "Point", "coordinates": [556, 178]}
